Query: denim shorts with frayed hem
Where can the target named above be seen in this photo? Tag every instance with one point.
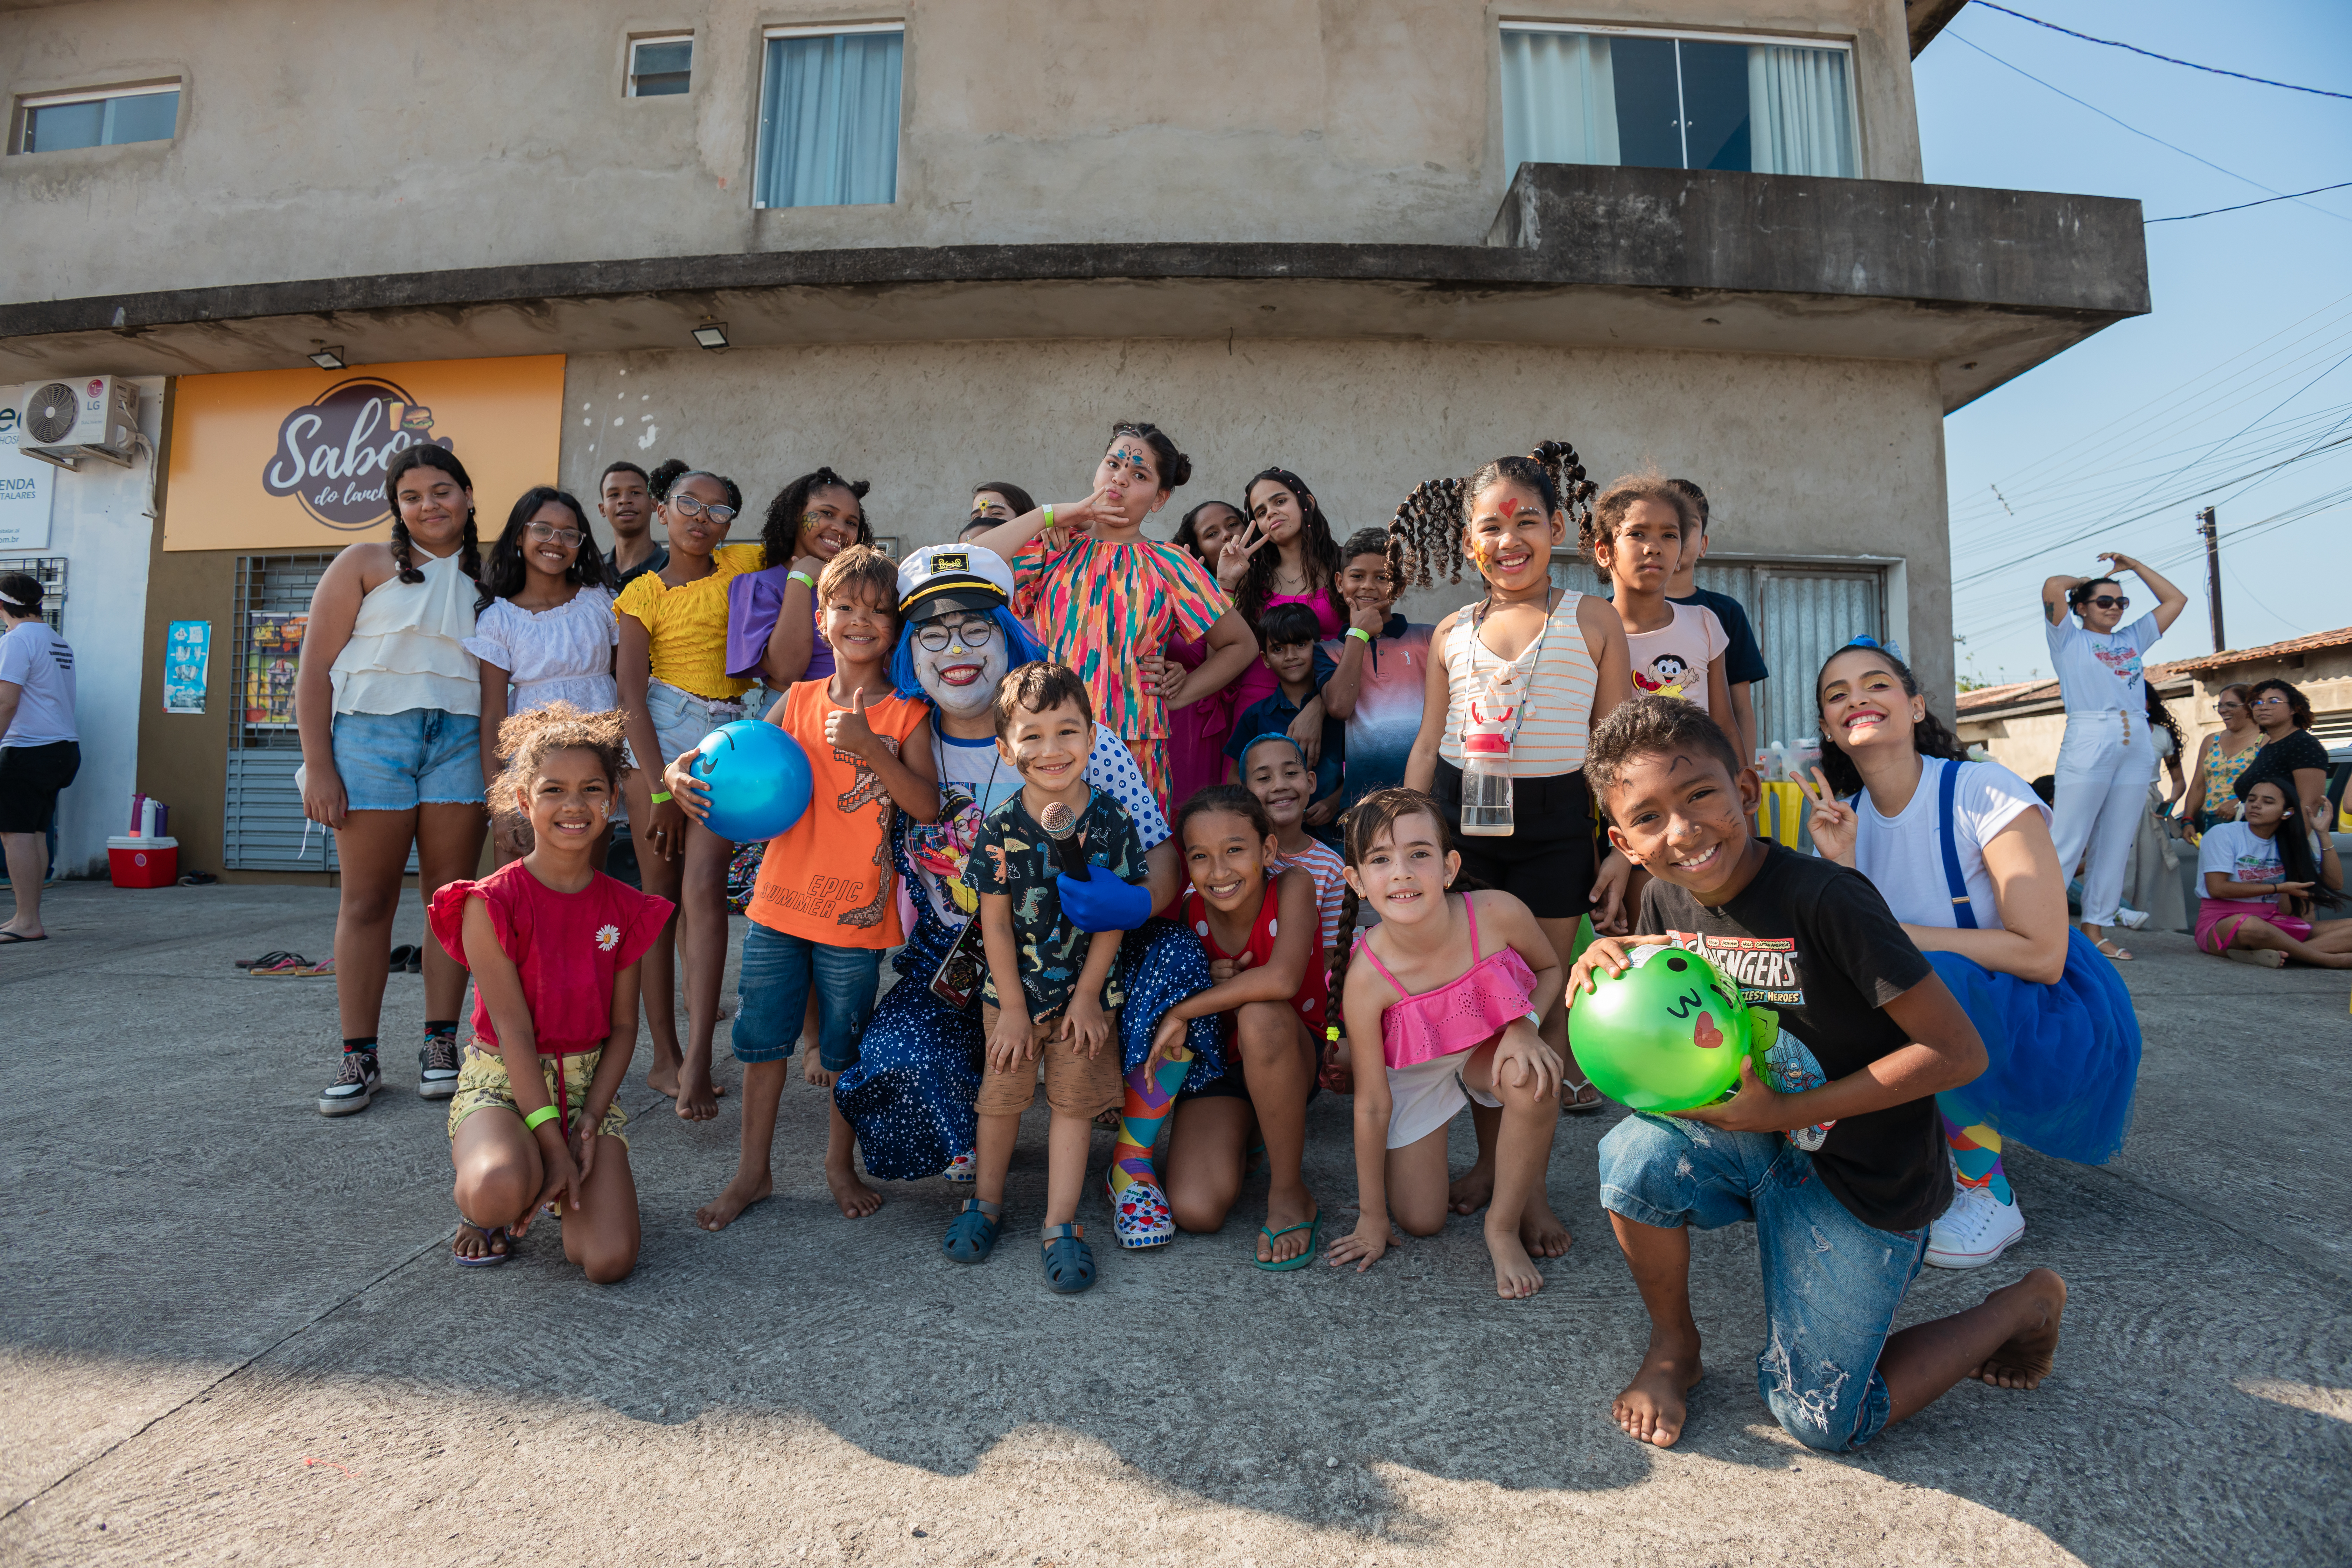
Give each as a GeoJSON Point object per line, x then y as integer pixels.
{"type": "Point", "coordinates": [778, 971]}
{"type": "Point", "coordinates": [1832, 1284]}
{"type": "Point", "coordinates": [398, 762]}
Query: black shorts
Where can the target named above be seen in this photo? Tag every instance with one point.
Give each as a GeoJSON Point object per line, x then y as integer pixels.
{"type": "Point", "coordinates": [1548, 863]}
{"type": "Point", "coordinates": [30, 778]}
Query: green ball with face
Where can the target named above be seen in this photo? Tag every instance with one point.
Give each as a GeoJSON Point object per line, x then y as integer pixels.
{"type": "Point", "coordinates": [1666, 1034]}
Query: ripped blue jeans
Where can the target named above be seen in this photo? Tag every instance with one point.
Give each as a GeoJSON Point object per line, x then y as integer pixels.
{"type": "Point", "coordinates": [1832, 1284]}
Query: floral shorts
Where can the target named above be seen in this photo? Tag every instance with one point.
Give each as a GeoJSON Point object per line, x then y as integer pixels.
{"type": "Point", "coordinates": [482, 1081]}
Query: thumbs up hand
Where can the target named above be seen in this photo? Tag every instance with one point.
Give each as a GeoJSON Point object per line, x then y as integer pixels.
{"type": "Point", "coordinates": [846, 729]}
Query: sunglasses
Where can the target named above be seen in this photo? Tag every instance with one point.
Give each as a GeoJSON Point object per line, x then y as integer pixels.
{"type": "Point", "coordinates": [2109, 602]}
{"type": "Point", "coordinates": [687, 505]}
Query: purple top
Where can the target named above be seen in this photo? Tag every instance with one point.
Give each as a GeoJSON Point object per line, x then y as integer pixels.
{"type": "Point", "coordinates": [753, 598]}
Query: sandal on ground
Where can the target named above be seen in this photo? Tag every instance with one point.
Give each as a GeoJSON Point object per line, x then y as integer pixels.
{"type": "Point", "coordinates": [1572, 1097]}
{"type": "Point", "coordinates": [276, 966]}
{"type": "Point", "coordinates": [1314, 1229]}
{"type": "Point", "coordinates": [2121, 955]}
{"type": "Point", "coordinates": [1141, 1217]}
{"type": "Point", "coordinates": [493, 1235]}
{"type": "Point", "coordinates": [972, 1235]}
{"type": "Point", "coordinates": [273, 956]}
{"type": "Point", "coordinates": [1069, 1261]}
{"type": "Point", "coordinates": [400, 957]}
{"type": "Point", "coordinates": [10, 938]}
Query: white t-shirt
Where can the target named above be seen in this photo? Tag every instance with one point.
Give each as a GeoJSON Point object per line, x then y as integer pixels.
{"type": "Point", "coordinates": [1903, 855]}
{"type": "Point", "coordinates": [2238, 853]}
{"type": "Point", "coordinates": [2099, 672]}
{"type": "Point", "coordinates": [1672, 660]}
{"type": "Point", "coordinates": [37, 660]}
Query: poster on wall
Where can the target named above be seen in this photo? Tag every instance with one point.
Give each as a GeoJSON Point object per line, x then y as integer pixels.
{"type": "Point", "coordinates": [26, 485]}
{"type": "Point", "coordinates": [187, 655]}
{"type": "Point", "coordinates": [274, 652]}
{"type": "Point", "coordinates": [294, 459]}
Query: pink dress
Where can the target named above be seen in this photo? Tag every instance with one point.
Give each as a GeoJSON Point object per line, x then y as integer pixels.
{"type": "Point", "coordinates": [1257, 682]}
{"type": "Point", "coordinates": [1196, 735]}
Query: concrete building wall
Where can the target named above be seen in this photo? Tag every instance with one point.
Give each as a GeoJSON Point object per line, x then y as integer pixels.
{"type": "Point", "coordinates": [330, 140]}
{"type": "Point", "coordinates": [100, 521]}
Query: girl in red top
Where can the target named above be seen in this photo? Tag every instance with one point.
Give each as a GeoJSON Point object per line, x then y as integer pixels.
{"type": "Point", "coordinates": [553, 944]}
{"type": "Point", "coordinates": [1263, 939]}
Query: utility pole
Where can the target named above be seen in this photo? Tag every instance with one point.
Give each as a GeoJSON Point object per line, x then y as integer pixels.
{"type": "Point", "coordinates": [2212, 575]}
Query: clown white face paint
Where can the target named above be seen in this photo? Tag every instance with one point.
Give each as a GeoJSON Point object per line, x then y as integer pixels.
{"type": "Point", "coordinates": [960, 658]}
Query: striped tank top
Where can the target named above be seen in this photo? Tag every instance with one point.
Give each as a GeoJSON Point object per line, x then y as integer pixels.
{"type": "Point", "coordinates": [1552, 739]}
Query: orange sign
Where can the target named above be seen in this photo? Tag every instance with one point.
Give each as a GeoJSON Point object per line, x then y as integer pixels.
{"type": "Point", "coordinates": [294, 459]}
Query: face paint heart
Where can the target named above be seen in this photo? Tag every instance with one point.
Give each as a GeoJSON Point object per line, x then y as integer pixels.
{"type": "Point", "coordinates": [1706, 1035]}
{"type": "Point", "coordinates": [1510, 507]}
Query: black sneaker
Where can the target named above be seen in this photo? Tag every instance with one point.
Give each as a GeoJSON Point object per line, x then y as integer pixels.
{"type": "Point", "coordinates": [436, 1065]}
{"type": "Point", "coordinates": [353, 1087]}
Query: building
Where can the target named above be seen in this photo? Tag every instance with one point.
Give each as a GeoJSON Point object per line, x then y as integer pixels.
{"type": "Point", "coordinates": [1374, 243]}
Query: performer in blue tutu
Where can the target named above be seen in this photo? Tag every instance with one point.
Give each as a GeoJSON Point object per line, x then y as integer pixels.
{"type": "Point", "coordinates": [910, 1096]}
{"type": "Point", "coordinates": [1961, 852]}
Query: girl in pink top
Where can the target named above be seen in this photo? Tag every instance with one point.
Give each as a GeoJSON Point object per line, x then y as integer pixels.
{"type": "Point", "coordinates": [1301, 568]}
{"type": "Point", "coordinates": [553, 944]}
{"type": "Point", "coordinates": [1196, 735]}
{"type": "Point", "coordinates": [1454, 991]}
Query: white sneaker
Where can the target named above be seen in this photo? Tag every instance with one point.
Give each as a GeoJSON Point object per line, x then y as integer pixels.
{"type": "Point", "coordinates": [2130, 918]}
{"type": "Point", "coordinates": [1977, 1228]}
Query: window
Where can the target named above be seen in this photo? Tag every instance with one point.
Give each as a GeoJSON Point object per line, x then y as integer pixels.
{"type": "Point", "coordinates": [101, 117]}
{"type": "Point", "coordinates": [1650, 101]}
{"type": "Point", "coordinates": [661, 67]}
{"type": "Point", "coordinates": [829, 117]}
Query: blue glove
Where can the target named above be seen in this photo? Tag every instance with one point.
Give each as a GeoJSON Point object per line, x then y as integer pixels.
{"type": "Point", "coordinates": [1102, 902]}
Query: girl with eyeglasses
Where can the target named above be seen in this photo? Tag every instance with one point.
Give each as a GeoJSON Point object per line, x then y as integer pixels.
{"type": "Point", "coordinates": [676, 689]}
{"type": "Point", "coordinates": [2108, 755]}
{"type": "Point", "coordinates": [2220, 759]}
{"type": "Point", "coordinates": [544, 632]}
{"type": "Point", "coordinates": [2291, 755]}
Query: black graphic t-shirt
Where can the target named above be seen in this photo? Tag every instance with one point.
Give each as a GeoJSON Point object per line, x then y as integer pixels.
{"type": "Point", "coordinates": [1813, 941]}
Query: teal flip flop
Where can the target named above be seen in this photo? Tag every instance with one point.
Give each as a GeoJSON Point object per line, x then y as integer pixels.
{"type": "Point", "coordinates": [1314, 1229]}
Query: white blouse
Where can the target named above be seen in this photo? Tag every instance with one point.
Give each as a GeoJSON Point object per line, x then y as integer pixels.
{"type": "Point", "coordinates": [562, 655]}
{"type": "Point", "coordinates": [408, 646]}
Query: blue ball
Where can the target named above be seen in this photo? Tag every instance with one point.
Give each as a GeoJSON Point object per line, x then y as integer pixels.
{"type": "Point", "coordinates": [759, 778]}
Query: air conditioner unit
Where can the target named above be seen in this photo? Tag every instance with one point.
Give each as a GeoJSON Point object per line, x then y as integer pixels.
{"type": "Point", "coordinates": [62, 422]}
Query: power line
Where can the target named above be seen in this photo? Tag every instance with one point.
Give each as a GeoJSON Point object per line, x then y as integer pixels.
{"type": "Point", "coordinates": [2135, 130]}
{"type": "Point", "coordinates": [2167, 59]}
{"type": "Point", "coordinates": [2241, 206]}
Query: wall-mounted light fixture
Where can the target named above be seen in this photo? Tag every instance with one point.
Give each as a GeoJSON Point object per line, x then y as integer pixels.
{"type": "Point", "coordinates": [712, 334]}
{"type": "Point", "coordinates": [328, 359]}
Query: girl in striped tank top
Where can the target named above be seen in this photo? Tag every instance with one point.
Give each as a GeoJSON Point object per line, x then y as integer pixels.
{"type": "Point", "coordinates": [1556, 656]}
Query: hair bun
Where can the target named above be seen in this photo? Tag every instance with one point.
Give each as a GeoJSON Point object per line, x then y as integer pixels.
{"type": "Point", "coordinates": [659, 481]}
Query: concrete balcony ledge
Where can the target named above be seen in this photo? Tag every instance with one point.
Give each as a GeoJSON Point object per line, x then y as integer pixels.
{"type": "Point", "coordinates": [1984, 284]}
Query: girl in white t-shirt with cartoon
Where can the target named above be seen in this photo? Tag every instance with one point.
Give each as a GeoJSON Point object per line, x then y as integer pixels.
{"type": "Point", "coordinates": [2264, 877]}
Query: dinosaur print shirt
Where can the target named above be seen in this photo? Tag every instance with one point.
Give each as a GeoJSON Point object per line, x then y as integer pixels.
{"type": "Point", "coordinates": [1014, 857]}
{"type": "Point", "coordinates": [827, 878]}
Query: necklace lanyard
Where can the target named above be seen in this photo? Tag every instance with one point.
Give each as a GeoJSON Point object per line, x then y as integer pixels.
{"type": "Point", "coordinates": [1534, 655]}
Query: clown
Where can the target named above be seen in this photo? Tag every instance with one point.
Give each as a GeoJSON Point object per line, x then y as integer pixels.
{"type": "Point", "coordinates": [910, 1097]}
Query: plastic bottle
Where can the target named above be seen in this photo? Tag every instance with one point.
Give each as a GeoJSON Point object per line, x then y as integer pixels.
{"type": "Point", "coordinates": [1486, 774]}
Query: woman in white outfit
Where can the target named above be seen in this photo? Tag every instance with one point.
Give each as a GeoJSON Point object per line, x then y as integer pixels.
{"type": "Point", "coordinates": [2108, 758]}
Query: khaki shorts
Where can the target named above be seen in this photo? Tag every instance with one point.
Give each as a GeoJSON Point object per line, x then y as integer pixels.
{"type": "Point", "coordinates": [1075, 1085]}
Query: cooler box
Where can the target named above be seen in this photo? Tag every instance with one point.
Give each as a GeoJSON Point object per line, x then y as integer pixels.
{"type": "Point", "coordinates": [144, 862]}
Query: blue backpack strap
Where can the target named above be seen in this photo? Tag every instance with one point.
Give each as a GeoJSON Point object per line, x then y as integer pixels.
{"type": "Point", "coordinates": [1964, 913]}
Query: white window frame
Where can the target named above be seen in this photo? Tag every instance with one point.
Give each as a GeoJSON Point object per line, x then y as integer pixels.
{"type": "Point", "coordinates": [32, 101]}
{"type": "Point", "coordinates": [1687, 35]}
{"type": "Point", "coordinates": [811, 30]}
{"type": "Point", "coordinates": [638, 41]}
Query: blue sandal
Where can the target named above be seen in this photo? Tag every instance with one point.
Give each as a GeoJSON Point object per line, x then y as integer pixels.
{"type": "Point", "coordinates": [1069, 1261]}
{"type": "Point", "coordinates": [972, 1235]}
{"type": "Point", "coordinates": [493, 1237]}
{"type": "Point", "coordinates": [1314, 1229]}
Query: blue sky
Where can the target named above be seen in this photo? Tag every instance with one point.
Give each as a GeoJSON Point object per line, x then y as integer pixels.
{"type": "Point", "coordinates": [2245, 361]}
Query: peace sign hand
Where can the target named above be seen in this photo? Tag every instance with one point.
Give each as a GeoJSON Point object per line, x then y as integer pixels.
{"type": "Point", "coordinates": [1832, 822]}
{"type": "Point", "coordinates": [1233, 558]}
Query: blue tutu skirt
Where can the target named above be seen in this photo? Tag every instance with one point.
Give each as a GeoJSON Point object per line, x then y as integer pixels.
{"type": "Point", "coordinates": [2061, 1061]}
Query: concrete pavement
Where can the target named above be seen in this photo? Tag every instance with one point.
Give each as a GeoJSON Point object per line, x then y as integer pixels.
{"type": "Point", "coordinates": [231, 1331]}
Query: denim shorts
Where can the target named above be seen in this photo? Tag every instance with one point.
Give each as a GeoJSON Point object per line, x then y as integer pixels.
{"type": "Point", "coordinates": [681, 718]}
{"type": "Point", "coordinates": [774, 988]}
{"type": "Point", "coordinates": [397, 761]}
{"type": "Point", "coordinates": [1832, 1284]}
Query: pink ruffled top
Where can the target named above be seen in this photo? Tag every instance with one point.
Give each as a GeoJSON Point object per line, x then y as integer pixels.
{"type": "Point", "coordinates": [1466, 1011]}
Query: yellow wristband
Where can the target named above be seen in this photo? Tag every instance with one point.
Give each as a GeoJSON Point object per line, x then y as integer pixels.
{"type": "Point", "coordinates": [661, 797]}
{"type": "Point", "coordinates": [544, 1113]}
{"type": "Point", "coordinates": [802, 577]}
{"type": "Point", "coordinates": [1360, 635]}
{"type": "Point", "coordinates": [1048, 509]}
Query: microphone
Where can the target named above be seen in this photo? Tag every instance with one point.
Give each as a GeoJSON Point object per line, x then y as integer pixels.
{"type": "Point", "coordinates": [1061, 824]}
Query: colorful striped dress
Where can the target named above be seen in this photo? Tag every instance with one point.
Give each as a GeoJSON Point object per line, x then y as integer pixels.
{"type": "Point", "coordinates": [1100, 605]}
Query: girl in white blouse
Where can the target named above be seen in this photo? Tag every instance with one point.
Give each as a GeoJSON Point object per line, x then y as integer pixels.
{"type": "Point", "coordinates": [543, 631]}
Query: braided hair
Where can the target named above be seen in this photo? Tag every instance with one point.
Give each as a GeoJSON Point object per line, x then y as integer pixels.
{"type": "Point", "coordinates": [428, 455]}
{"type": "Point", "coordinates": [508, 571]}
{"type": "Point", "coordinates": [1361, 825]}
{"type": "Point", "coordinates": [1930, 737]}
{"type": "Point", "coordinates": [1428, 526]}
{"type": "Point", "coordinates": [779, 535]}
{"type": "Point", "coordinates": [1316, 544]}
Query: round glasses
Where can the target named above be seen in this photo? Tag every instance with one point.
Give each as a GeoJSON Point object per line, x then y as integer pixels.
{"type": "Point", "coordinates": [547, 531]}
{"type": "Point", "coordinates": [937, 636]}
{"type": "Point", "coordinates": [687, 505]}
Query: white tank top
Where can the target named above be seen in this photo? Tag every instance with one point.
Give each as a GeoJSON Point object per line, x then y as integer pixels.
{"type": "Point", "coordinates": [1551, 739]}
{"type": "Point", "coordinates": [408, 646]}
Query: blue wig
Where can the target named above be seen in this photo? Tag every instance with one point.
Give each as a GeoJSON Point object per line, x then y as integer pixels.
{"type": "Point", "coordinates": [1021, 648]}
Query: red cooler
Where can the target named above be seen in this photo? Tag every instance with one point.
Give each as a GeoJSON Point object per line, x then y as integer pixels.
{"type": "Point", "coordinates": [144, 862]}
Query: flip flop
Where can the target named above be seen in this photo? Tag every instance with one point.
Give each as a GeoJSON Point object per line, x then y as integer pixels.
{"type": "Point", "coordinates": [278, 966]}
{"type": "Point", "coordinates": [8, 938]}
{"type": "Point", "coordinates": [270, 957]}
{"type": "Point", "coordinates": [1569, 1088]}
{"type": "Point", "coordinates": [1314, 1229]}
{"type": "Point", "coordinates": [490, 1234]}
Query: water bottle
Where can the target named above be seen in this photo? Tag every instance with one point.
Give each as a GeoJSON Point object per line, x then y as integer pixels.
{"type": "Point", "coordinates": [1487, 775]}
